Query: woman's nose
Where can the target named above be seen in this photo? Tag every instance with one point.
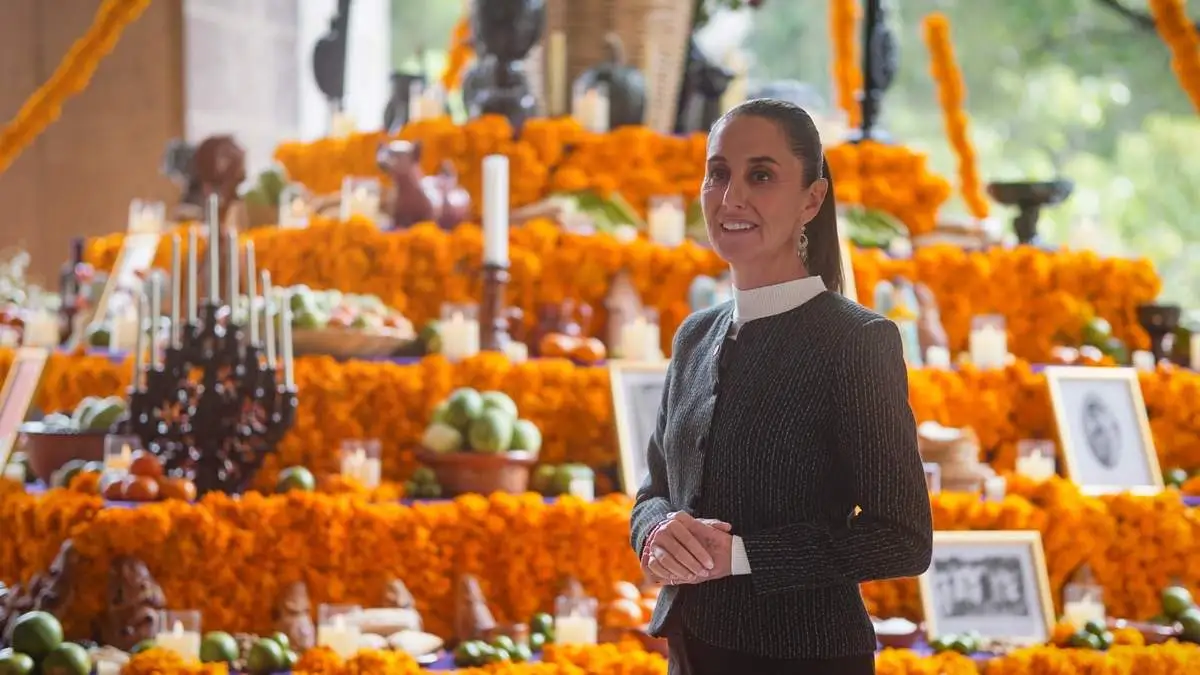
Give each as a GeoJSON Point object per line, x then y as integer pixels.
{"type": "Point", "coordinates": [735, 194]}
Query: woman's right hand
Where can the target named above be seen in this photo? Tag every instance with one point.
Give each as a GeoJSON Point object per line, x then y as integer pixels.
{"type": "Point", "coordinates": [673, 553]}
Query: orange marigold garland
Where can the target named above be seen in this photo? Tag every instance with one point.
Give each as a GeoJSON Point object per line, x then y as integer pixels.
{"type": "Point", "coordinates": [948, 77]}
{"type": "Point", "coordinates": [71, 76]}
{"type": "Point", "coordinates": [459, 54]}
{"type": "Point", "coordinates": [847, 75]}
{"type": "Point", "coordinates": [889, 178]}
{"type": "Point", "coordinates": [1178, 31]}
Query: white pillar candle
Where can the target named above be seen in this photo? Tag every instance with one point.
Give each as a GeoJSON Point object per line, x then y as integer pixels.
{"type": "Point", "coordinates": [193, 271]}
{"type": "Point", "coordinates": [1194, 350]}
{"type": "Point", "coordinates": [340, 636]}
{"type": "Point", "coordinates": [214, 250]}
{"type": "Point", "coordinates": [41, 330]}
{"type": "Point", "coordinates": [576, 630]}
{"type": "Point", "coordinates": [155, 317]}
{"type": "Point", "coordinates": [495, 210]}
{"type": "Point", "coordinates": [1079, 612]}
{"type": "Point", "coordinates": [1036, 466]}
{"type": "Point", "coordinates": [235, 282]}
{"type": "Point", "coordinates": [1143, 360]}
{"type": "Point", "coordinates": [556, 73]}
{"type": "Point", "coordinates": [139, 343]}
{"type": "Point", "coordinates": [937, 357]}
{"type": "Point", "coordinates": [268, 318]}
{"type": "Point", "coordinates": [994, 488]}
{"type": "Point", "coordinates": [119, 462]}
{"type": "Point", "coordinates": [252, 291]}
{"type": "Point", "coordinates": [176, 287]}
{"type": "Point", "coordinates": [667, 224]}
{"type": "Point", "coordinates": [988, 347]}
{"type": "Point", "coordinates": [185, 643]}
{"type": "Point", "coordinates": [285, 340]}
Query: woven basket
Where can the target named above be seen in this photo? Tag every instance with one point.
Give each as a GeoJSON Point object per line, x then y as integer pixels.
{"type": "Point", "coordinates": [347, 343]}
{"type": "Point", "coordinates": [654, 33]}
{"type": "Point", "coordinates": [461, 473]}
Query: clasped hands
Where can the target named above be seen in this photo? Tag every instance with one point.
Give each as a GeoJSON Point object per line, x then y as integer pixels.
{"type": "Point", "coordinates": [687, 550]}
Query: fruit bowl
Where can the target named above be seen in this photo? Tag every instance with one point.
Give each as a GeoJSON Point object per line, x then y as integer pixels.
{"type": "Point", "coordinates": [49, 450]}
{"type": "Point", "coordinates": [1152, 633]}
{"type": "Point", "coordinates": [478, 472]}
{"type": "Point", "coordinates": [348, 343]}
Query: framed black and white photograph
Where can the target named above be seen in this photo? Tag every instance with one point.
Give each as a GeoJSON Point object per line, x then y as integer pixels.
{"type": "Point", "coordinates": [1104, 431]}
{"type": "Point", "coordinates": [994, 583]}
{"type": "Point", "coordinates": [16, 396]}
{"type": "Point", "coordinates": [637, 390]}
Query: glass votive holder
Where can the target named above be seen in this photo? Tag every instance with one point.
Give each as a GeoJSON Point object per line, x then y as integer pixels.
{"type": "Point", "coordinates": [361, 461]}
{"type": "Point", "coordinates": [360, 198]}
{"type": "Point", "coordinates": [1083, 602]}
{"type": "Point", "coordinates": [294, 207]}
{"type": "Point", "coordinates": [338, 629]}
{"type": "Point", "coordinates": [933, 477]}
{"type": "Point", "coordinates": [1036, 459]}
{"type": "Point", "coordinates": [118, 452]}
{"type": "Point", "coordinates": [575, 620]}
{"type": "Point", "coordinates": [179, 631]}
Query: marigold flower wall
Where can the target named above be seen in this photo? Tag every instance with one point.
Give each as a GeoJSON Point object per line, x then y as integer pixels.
{"type": "Point", "coordinates": [347, 547]}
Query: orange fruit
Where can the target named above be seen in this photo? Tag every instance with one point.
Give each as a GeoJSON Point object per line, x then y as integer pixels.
{"type": "Point", "coordinates": [589, 351]}
{"type": "Point", "coordinates": [622, 613]}
{"type": "Point", "coordinates": [626, 590]}
{"type": "Point", "coordinates": [177, 488]}
{"type": "Point", "coordinates": [557, 346]}
{"type": "Point", "coordinates": [146, 465]}
{"type": "Point", "coordinates": [139, 488]}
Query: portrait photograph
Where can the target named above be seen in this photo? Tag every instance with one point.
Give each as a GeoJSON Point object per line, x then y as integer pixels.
{"type": "Point", "coordinates": [1103, 429]}
{"type": "Point", "coordinates": [17, 393]}
{"type": "Point", "coordinates": [637, 390]}
{"type": "Point", "coordinates": [992, 582]}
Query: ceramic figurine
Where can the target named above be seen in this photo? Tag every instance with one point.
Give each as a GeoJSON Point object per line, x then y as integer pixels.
{"type": "Point", "coordinates": [397, 595]}
{"type": "Point", "coordinates": [50, 591]}
{"type": "Point", "coordinates": [623, 304]}
{"type": "Point", "coordinates": [292, 616]}
{"type": "Point", "coordinates": [897, 300]}
{"type": "Point", "coordinates": [472, 618]}
{"type": "Point", "coordinates": [134, 602]}
{"type": "Point", "coordinates": [416, 198]}
{"type": "Point", "coordinates": [930, 331]}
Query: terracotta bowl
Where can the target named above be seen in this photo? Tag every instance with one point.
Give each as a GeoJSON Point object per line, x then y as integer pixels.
{"type": "Point", "coordinates": [49, 450]}
{"type": "Point", "coordinates": [480, 473]}
{"type": "Point", "coordinates": [1152, 633]}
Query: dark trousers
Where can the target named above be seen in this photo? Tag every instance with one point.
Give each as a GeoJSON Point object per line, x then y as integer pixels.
{"type": "Point", "coordinates": [690, 656]}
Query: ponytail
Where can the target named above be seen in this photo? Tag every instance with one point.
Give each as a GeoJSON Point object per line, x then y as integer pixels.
{"type": "Point", "coordinates": [824, 243]}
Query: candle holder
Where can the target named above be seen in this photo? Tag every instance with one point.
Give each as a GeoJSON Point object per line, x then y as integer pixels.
{"type": "Point", "coordinates": [1159, 321]}
{"type": "Point", "coordinates": [179, 632]}
{"type": "Point", "coordinates": [1036, 459]}
{"type": "Point", "coordinates": [360, 197]}
{"type": "Point", "coordinates": [294, 207]}
{"type": "Point", "coordinates": [146, 216]}
{"type": "Point", "coordinates": [118, 452]}
{"type": "Point", "coordinates": [1030, 198]}
{"type": "Point", "coordinates": [493, 320]}
{"type": "Point", "coordinates": [338, 629]}
{"type": "Point", "coordinates": [361, 462]}
{"type": "Point", "coordinates": [1083, 602]}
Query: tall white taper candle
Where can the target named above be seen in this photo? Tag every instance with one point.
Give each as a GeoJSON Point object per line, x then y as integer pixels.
{"type": "Point", "coordinates": [495, 210]}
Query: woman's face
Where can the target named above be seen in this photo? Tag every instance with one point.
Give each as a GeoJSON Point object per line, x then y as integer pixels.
{"type": "Point", "coordinates": [754, 195]}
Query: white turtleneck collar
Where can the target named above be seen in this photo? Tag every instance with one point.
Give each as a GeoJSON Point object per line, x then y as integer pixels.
{"type": "Point", "coordinates": [765, 301]}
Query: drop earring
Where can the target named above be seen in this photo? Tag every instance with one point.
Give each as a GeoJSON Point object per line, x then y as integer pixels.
{"type": "Point", "coordinates": [802, 247]}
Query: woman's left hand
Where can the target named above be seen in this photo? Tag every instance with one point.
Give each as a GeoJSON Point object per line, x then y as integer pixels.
{"type": "Point", "coordinates": [714, 536]}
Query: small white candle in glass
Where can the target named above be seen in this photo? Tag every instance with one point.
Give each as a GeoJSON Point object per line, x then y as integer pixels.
{"type": "Point", "coordinates": [146, 216]}
{"type": "Point", "coordinates": [994, 488]}
{"type": "Point", "coordinates": [360, 198]}
{"type": "Point", "coordinates": [425, 102]}
{"type": "Point", "coordinates": [1036, 459]}
{"type": "Point", "coordinates": [179, 632]}
{"type": "Point", "coordinates": [988, 341]}
{"type": "Point", "coordinates": [124, 333]}
{"type": "Point", "coordinates": [600, 117]}
{"type": "Point", "coordinates": [337, 629]}
{"type": "Point", "coordinates": [937, 357]}
{"type": "Point", "coordinates": [459, 331]}
{"type": "Point", "coordinates": [341, 124]}
{"type": "Point", "coordinates": [1083, 603]}
{"type": "Point", "coordinates": [118, 452]}
{"type": "Point", "coordinates": [41, 330]}
{"type": "Point", "coordinates": [517, 352]}
{"type": "Point", "coordinates": [575, 621]}
{"type": "Point", "coordinates": [293, 207]}
{"type": "Point", "coordinates": [1143, 360]}
{"type": "Point", "coordinates": [361, 462]}
{"type": "Point", "coordinates": [667, 220]}
{"type": "Point", "coordinates": [1194, 350]}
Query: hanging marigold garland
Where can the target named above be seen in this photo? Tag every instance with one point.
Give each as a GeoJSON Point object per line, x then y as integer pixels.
{"type": "Point", "coordinates": [948, 77]}
{"type": "Point", "coordinates": [847, 76]}
{"type": "Point", "coordinates": [1178, 31]}
{"type": "Point", "coordinates": [459, 53]}
{"type": "Point", "coordinates": [72, 76]}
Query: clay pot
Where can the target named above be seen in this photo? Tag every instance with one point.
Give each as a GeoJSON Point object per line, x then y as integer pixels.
{"type": "Point", "coordinates": [48, 451]}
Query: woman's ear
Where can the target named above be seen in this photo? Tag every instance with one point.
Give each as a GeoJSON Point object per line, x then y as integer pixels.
{"type": "Point", "coordinates": [814, 198]}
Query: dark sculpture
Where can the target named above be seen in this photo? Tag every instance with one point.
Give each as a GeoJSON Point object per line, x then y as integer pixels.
{"type": "Point", "coordinates": [626, 85]}
{"type": "Point", "coordinates": [216, 166]}
{"type": "Point", "coordinates": [51, 591]}
{"type": "Point", "coordinates": [503, 32]}
{"type": "Point", "coordinates": [704, 82]}
{"type": "Point", "coordinates": [880, 62]}
{"type": "Point", "coordinates": [292, 616]}
{"type": "Point", "coordinates": [329, 57]}
{"type": "Point", "coordinates": [395, 115]}
{"type": "Point", "coordinates": [134, 602]}
{"type": "Point", "coordinates": [417, 198]}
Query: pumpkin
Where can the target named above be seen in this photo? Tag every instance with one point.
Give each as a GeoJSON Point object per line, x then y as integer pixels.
{"type": "Point", "coordinates": [588, 351]}
{"type": "Point", "coordinates": [626, 85]}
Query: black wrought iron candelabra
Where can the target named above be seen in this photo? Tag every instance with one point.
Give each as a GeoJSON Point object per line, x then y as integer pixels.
{"type": "Point", "coordinates": [213, 407]}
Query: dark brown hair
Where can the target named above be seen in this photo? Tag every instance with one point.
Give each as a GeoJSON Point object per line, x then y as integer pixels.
{"type": "Point", "coordinates": [824, 248]}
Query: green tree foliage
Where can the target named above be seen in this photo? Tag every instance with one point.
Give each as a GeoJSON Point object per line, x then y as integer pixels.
{"type": "Point", "coordinates": [1066, 88]}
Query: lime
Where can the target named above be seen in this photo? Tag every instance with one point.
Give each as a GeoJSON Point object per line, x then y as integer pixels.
{"type": "Point", "coordinates": [266, 656]}
{"type": "Point", "coordinates": [537, 641]}
{"type": "Point", "coordinates": [1106, 640]}
{"type": "Point", "coordinates": [67, 659]}
{"type": "Point", "coordinates": [466, 655]}
{"type": "Point", "coordinates": [15, 663]}
{"type": "Point", "coordinates": [504, 642]}
{"type": "Point", "coordinates": [963, 645]}
{"type": "Point", "coordinates": [941, 643]}
{"type": "Point", "coordinates": [424, 475]}
{"type": "Point", "coordinates": [541, 623]}
{"type": "Point", "coordinates": [498, 656]}
{"type": "Point", "coordinates": [521, 653]}
{"type": "Point", "coordinates": [142, 646]}
{"type": "Point", "coordinates": [1095, 627]}
{"type": "Point", "coordinates": [1176, 600]}
{"type": "Point", "coordinates": [283, 640]}
{"type": "Point", "coordinates": [1190, 622]}
{"type": "Point", "coordinates": [1084, 640]}
{"type": "Point", "coordinates": [218, 647]}
{"type": "Point", "coordinates": [289, 659]}
{"type": "Point", "coordinates": [295, 478]}
{"type": "Point", "coordinates": [36, 634]}
{"type": "Point", "coordinates": [1175, 477]}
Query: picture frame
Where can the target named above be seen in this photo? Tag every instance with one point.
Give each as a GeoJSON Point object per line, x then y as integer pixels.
{"type": "Point", "coordinates": [1104, 431]}
{"type": "Point", "coordinates": [992, 582]}
{"type": "Point", "coordinates": [16, 395]}
{"type": "Point", "coordinates": [637, 389]}
{"type": "Point", "coordinates": [138, 251]}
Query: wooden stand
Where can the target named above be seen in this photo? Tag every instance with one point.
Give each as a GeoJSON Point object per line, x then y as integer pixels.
{"type": "Point", "coordinates": [493, 320]}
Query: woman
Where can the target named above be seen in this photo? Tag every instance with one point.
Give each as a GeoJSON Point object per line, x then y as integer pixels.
{"type": "Point", "coordinates": [784, 469]}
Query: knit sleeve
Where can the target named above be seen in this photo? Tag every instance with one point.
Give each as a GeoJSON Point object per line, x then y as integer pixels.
{"type": "Point", "coordinates": [892, 535]}
{"type": "Point", "coordinates": [652, 504]}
